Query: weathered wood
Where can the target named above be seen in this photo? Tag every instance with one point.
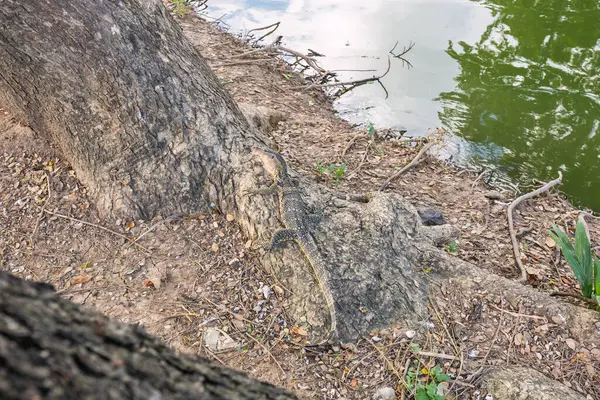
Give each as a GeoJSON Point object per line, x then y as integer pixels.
{"type": "Point", "coordinates": [51, 348]}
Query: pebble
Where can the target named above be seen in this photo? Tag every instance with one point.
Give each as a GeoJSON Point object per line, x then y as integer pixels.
{"type": "Point", "coordinates": [493, 195]}
{"type": "Point", "coordinates": [385, 393]}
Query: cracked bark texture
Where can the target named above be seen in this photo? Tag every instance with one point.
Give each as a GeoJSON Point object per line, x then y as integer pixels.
{"type": "Point", "coordinates": [53, 349]}
{"type": "Point", "coordinates": [143, 120]}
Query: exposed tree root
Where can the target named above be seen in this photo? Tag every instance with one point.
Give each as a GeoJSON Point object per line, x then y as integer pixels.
{"type": "Point", "coordinates": [513, 236]}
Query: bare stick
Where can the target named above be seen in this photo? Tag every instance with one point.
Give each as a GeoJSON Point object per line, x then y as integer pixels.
{"type": "Point", "coordinates": [438, 355]}
{"type": "Point", "coordinates": [351, 174]}
{"type": "Point", "coordinates": [41, 214]}
{"type": "Point", "coordinates": [268, 352]}
{"type": "Point", "coordinates": [255, 61]}
{"type": "Point", "coordinates": [511, 228]}
{"type": "Point", "coordinates": [577, 296]}
{"type": "Point", "coordinates": [309, 60]}
{"type": "Point", "coordinates": [350, 144]}
{"type": "Point", "coordinates": [98, 227]}
{"type": "Point", "coordinates": [276, 25]}
{"type": "Point", "coordinates": [514, 314]}
{"type": "Point", "coordinates": [355, 82]}
{"type": "Point", "coordinates": [414, 162]}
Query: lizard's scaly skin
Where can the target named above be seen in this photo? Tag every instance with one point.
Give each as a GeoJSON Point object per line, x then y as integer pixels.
{"type": "Point", "coordinates": [297, 224]}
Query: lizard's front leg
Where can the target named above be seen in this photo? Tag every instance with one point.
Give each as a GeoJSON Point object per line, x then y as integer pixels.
{"type": "Point", "coordinates": [280, 236]}
{"type": "Point", "coordinates": [264, 190]}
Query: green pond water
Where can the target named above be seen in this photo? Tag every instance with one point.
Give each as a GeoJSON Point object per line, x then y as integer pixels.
{"type": "Point", "coordinates": [517, 83]}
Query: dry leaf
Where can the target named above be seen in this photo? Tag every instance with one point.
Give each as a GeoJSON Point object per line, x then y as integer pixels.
{"type": "Point", "coordinates": [83, 278]}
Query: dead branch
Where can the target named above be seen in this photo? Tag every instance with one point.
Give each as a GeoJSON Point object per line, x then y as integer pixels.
{"type": "Point", "coordinates": [414, 162]}
{"type": "Point", "coordinates": [253, 61]}
{"type": "Point", "coordinates": [274, 26]}
{"type": "Point", "coordinates": [350, 144]}
{"type": "Point", "coordinates": [41, 214]}
{"type": "Point", "coordinates": [98, 227]}
{"type": "Point", "coordinates": [513, 237]}
{"type": "Point", "coordinates": [312, 63]}
{"type": "Point", "coordinates": [577, 296]}
{"type": "Point", "coordinates": [354, 83]}
{"type": "Point", "coordinates": [403, 53]}
{"type": "Point", "coordinates": [362, 161]}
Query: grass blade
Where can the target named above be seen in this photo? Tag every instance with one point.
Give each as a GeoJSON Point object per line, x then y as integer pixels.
{"type": "Point", "coordinates": [583, 252]}
{"type": "Point", "coordinates": [597, 277]}
{"type": "Point", "coordinates": [568, 251]}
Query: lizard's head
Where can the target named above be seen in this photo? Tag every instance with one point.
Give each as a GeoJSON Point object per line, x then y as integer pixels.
{"type": "Point", "coordinates": [272, 161]}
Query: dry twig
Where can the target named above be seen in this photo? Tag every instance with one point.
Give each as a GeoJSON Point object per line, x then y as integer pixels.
{"type": "Point", "coordinates": [274, 26]}
{"type": "Point", "coordinates": [41, 214]}
{"type": "Point", "coordinates": [98, 227]}
{"type": "Point", "coordinates": [513, 237]}
{"type": "Point", "coordinates": [577, 296]}
{"type": "Point", "coordinates": [414, 162]}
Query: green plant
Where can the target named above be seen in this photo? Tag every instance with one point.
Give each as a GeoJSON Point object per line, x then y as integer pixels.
{"type": "Point", "coordinates": [338, 171]}
{"type": "Point", "coordinates": [424, 382]}
{"type": "Point", "coordinates": [321, 170]}
{"type": "Point", "coordinates": [334, 171]}
{"type": "Point", "coordinates": [584, 264]}
{"type": "Point", "coordinates": [452, 248]}
{"type": "Point", "coordinates": [371, 129]}
{"type": "Point", "coordinates": [180, 7]}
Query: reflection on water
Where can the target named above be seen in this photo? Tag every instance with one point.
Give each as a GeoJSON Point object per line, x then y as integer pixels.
{"type": "Point", "coordinates": [517, 80]}
{"type": "Point", "coordinates": [530, 84]}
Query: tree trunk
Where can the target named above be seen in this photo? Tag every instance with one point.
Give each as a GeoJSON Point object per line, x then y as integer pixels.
{"type": "Point", "coordinates": [53, 349]}
{"type": "Point", "coordinates": [128, 101]}
{"type": "Point", "coordinates": [141, 117]}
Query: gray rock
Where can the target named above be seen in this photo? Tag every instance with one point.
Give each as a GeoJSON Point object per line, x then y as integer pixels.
{"type": "Point", "coordinates": [520, 383]}
{"type": "Point", "coordinates": [385, 393]}
{"type": "Point", "coordinates": [431, 216]}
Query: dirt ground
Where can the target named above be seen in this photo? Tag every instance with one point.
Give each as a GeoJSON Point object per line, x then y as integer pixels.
{"type": "Point", "coordinates": [193, 281]}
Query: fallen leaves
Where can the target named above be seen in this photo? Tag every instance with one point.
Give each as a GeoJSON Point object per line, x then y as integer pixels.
{"type": "Point", "coordinates": [80, 279]}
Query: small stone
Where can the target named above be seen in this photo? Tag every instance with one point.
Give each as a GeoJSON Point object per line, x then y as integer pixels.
{"type": "Point", "coordinates": [493, 195]}
{"type": "Point", "coordinates": [266, 291]}
{"type": "Point", "coordinates": [559, 319]}
{"type": "Point", "coordinates": [214, 247]}
{"type": "Point", "coordinates": [230, 217]}
{"type": "Point", "coordinates": [211, 339]}
{"type": "Point", "coordinates": [550, 242]}
{"type": "Point", "coordinates": [571, 343]}
{"type": "Point", "coordinates": [410, 334]}
{"type": "Point", "coordinates": [385, 393]}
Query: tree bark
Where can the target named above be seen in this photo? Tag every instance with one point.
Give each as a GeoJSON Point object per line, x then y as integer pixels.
{"type": "Point", "coordinates": [53, 349]}
{"type": "Point", "coordinates": [141, 117]}
{"type": "Point", "coordinates": [130, 103]}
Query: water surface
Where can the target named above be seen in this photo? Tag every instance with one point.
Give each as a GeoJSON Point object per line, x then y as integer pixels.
{"type": "Point", "coordinates": [516, 82]}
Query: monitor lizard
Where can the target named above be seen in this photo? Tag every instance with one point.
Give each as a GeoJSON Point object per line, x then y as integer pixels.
{"type": "Point", "coordinates": [298, 222]}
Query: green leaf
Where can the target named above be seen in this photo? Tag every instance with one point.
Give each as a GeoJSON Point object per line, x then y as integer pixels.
{"type": "Point", "coordinates": [371, 130]}
{"type": "Point", "coordinates": [568, 251]}
{"type": "Point", "coordinates": [431, 389]}
{"type": "Point", "coordinates": [442, 378]}
{"type": "Point", "coordinates": [597, 277]}
{"type": "Point", "coordinates": [583, 252]}
{"type": "Point", "coordinates": [421, 394]}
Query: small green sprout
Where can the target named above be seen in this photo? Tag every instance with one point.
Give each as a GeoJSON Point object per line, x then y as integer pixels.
{"type": "Point", "coordinates": [452, 248]}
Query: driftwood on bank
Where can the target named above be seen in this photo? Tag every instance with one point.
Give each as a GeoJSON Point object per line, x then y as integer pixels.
{"type": "Point", "coordinates": [54, 349]}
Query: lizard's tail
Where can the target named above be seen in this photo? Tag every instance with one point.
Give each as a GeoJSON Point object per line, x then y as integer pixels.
{"type": "Point", "coordinates": [322, 277]}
